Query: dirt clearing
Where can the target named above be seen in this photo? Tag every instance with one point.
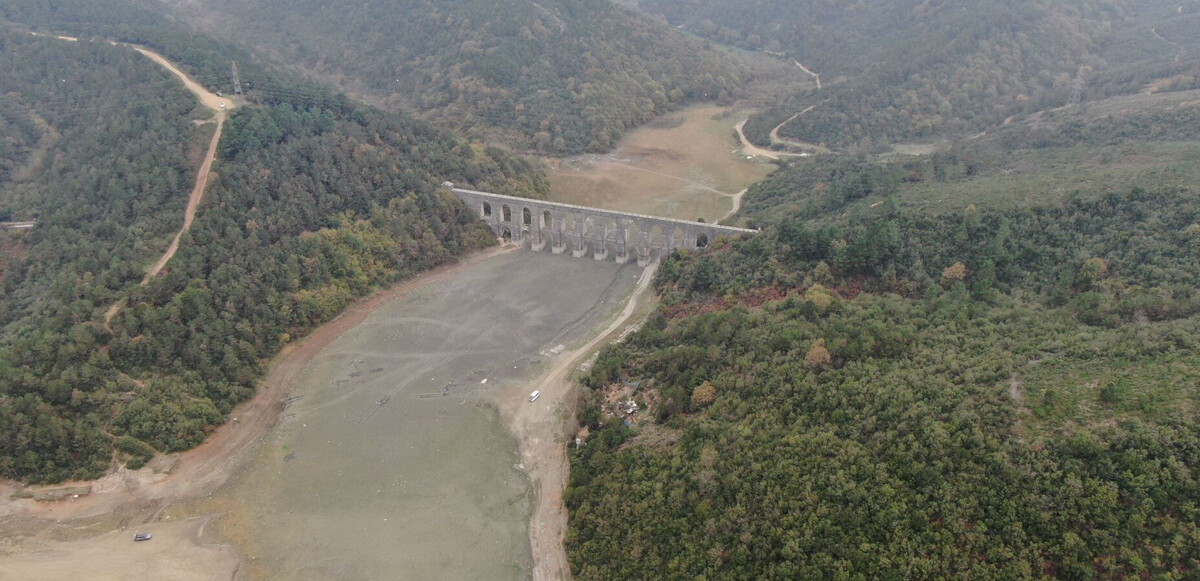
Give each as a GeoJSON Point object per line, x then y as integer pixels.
{"type": "Point", "coordinates": [177, 552]}
{"type": "Point", "coordinates": [390, 459]}
{"type": "Point", "coordinates": [543, 430]}
{"type": "Point", "coordinates": [685, 165]}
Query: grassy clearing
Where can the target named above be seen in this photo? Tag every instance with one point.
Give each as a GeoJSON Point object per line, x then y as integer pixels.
{"type": "Point", "coordinates": [1098, 393]}
{"type": "Point", "coordinates": [1048, 176]}
{"type": "Point", "coordinates": [685, 165]}
{"type": "Point", "coordinates": [1038, 177]}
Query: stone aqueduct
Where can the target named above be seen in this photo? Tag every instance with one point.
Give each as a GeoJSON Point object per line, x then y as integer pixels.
{"type": "Point", "coordinates": [586, 229]}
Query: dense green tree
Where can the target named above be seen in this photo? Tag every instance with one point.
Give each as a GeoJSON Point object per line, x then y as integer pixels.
{"type": "Point", "coordinates": [313, 202]}
{"type": "Point", "coordinates": [559, 76]}
{"type": "Point", "coordinates": [908, 70]}
{"type": "Point", "coordinates": [890, 427]}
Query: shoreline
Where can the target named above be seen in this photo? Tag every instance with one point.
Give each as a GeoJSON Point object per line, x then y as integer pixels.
{"type": "Point", "coordinates": [209, 465]}
{"type": "Point", "coordinates": [542, 440]}
{"type": "Point", "coordinates": [141, 498]}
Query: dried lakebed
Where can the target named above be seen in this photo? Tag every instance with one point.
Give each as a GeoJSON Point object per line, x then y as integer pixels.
{"type": "Point", "coordinates": [390, 460]}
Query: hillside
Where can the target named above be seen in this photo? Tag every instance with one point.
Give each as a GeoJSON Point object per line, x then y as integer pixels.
{"type": "Point", "coordinates": [909, 70]}
{"type": "Point", "coordinates": [977, 362]}
{"type": "Point", "coordinates": [312, 203]}
{"type": "Point", "coordinates": [987, 394]}
{"type": "Point", "coordinates": [559, 76]}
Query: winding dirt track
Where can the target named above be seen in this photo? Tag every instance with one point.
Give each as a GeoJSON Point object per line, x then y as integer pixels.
{"type": "Point", "coordinates": [751, 149]}
{"type": "Point", "coordinates": [193, 201]}
{"type": "Point", "coordinates": [219, 105]}
{"type": "Point", "coordinates": [775, 138]}
{"type": "Point", "coordinates": [544, 450]}
{"type": "Point", "coordinates": [1176, 45]}
{"type": "Point", "coordinates": [810, 73]}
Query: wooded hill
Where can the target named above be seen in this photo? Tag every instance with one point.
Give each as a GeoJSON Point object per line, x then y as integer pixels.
{"type": "Point", "coordinates": [916, 70]}
{"type": "Point", "coordinates": [562, 76]}
{"type": "Point", "coordinates": [978, 363]}
{"type": "Point", "coordinates": [313, 202]}
{"type": "Point", "coordinates": [985, 394]}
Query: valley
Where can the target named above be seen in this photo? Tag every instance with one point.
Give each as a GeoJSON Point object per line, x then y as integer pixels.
{"type": "Point", "coordinates": [242, 484]}
{"type": "Point", "coordinates": [959, 342]}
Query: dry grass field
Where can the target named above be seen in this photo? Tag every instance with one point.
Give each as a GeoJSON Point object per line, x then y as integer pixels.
{"type": "Point", "coordinates": [685, 165]}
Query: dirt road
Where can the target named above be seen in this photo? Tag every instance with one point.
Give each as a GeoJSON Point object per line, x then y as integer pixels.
{"type": "Point", "coordinates": [751, 149]}
{"type": "Point", "coordinates": [219, 105]}
{"type": "Point", "coordinates": [775, 138]}
{"type": "Point", "coordinates": [194, 199]}
{"type": "Point", "coordinates": [209, 99]}
{"type": "Point", "coordinates": [810, 73]}
{"type": "Point", "coordinates": [543, 443]}
{"type": "Point", "coordinates": [737, 205]}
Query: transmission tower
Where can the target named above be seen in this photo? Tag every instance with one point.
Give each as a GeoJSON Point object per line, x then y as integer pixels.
{"type": "Point", "coordinates": [1077, 88]}
{"type": "Point", "coordinates": [237, 83]}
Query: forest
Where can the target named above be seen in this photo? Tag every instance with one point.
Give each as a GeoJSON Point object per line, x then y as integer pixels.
{"type": "Point", "coordinates": [972, 363]}
{"type": "Point", "coordinates": [559, 76]}
{"type": "Point", "coordinates": [997, 394]}
{"type": "Point", "coordinates": [915, 70]}
{"type": "Point", "coordinates": [978, 362]}
{"type": "Point", "coordinates": [99, 146]}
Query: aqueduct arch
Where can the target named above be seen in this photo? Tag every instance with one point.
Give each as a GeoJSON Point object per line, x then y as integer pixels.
{"type": "Point", "coordinates": [601, 233]}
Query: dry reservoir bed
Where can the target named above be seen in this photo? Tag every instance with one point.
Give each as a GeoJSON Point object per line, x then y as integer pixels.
{"type": "Point", "coordinates": [391, 462]}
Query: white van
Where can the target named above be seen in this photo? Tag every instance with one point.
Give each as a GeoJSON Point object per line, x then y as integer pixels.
{"type": "Point", "coordinates": [533, 396]}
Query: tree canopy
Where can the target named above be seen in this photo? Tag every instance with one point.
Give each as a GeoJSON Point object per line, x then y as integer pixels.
{"type": "Point", "coordinates": [558, 76]}
{"type": "Point", "coordinates": [310, 204]}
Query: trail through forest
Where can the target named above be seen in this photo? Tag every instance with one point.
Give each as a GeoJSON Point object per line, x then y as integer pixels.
{"type": "Point", "coordinates": [1176, 45]}
{"type": "Point", "coordinates": [810, 73]}
{"type": "Point", "coordinates": [219, 105]}
{"type": "Point", "coordinates": [775, 138]}
{"type": "Point", "coordinates": [193, 200]}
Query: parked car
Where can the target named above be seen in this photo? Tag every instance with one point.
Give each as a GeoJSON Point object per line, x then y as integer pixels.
{"type": "Point", "coordinates": [142, 536]}
{"type": "Point", "coordinates": [533, 396]}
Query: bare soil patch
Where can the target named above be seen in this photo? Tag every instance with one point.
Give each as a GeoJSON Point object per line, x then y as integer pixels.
{"type": "Point", "coordinates": [207, 466]}
{"type": "Point", "coordinates": [543, 437]}
{"type": "Point", "coordinates": [178, 551]}
{"type": "Point", "coordinates": [685, 165]}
